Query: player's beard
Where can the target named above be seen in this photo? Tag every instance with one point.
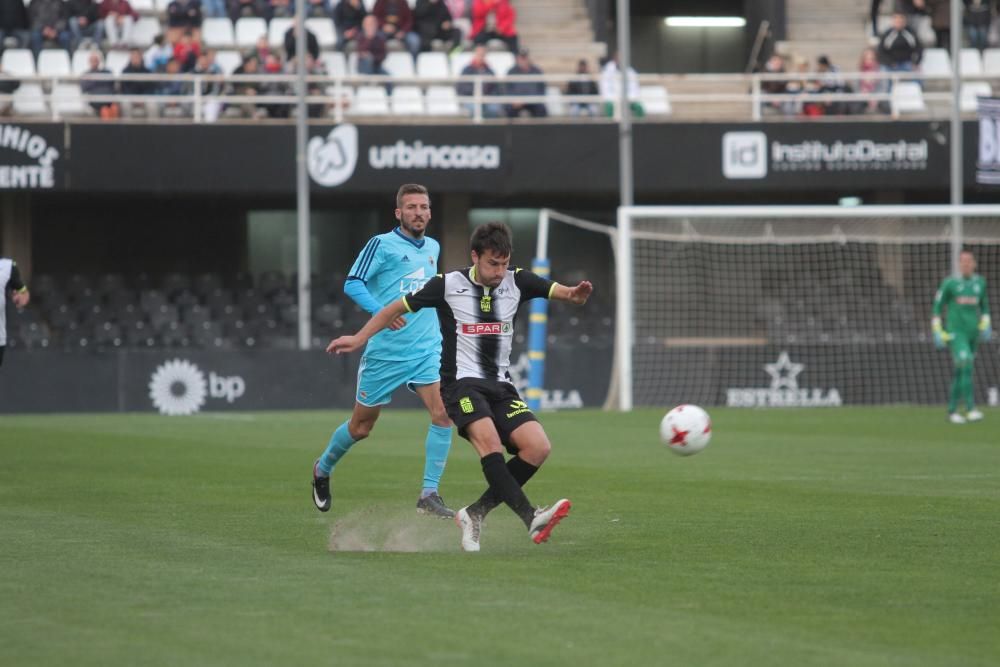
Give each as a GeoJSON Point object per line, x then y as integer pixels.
{"type": "Point", "coordinates": [418, 234]}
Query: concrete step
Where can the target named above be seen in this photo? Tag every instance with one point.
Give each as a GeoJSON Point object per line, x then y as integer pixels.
{"type": "Point", "coordinates": [550, 15]}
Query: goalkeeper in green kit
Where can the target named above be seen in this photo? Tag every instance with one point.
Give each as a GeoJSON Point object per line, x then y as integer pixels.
{"type": "Point", "coordinates": [968, 322]}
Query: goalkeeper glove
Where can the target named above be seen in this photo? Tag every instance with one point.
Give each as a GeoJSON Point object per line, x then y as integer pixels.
{"type": "Point", "coordinates": [941, 337]}
{"type": "Point", "coordinates": [985, 330]}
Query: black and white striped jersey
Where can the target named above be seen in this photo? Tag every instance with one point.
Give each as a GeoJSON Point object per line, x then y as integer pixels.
{"type": "Point", "coordinates": [477, 323]}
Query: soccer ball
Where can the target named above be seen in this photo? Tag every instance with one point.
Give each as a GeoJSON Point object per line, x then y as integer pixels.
{"type": "Point", "coordinates": [686, 430]}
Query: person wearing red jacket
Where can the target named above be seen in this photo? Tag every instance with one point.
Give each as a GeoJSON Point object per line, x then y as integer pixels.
{"type": "Point", "coordinates": [494, 19]}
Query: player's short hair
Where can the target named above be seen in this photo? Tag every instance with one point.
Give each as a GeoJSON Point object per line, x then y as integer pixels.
{"type": "Point", "coordinates": [494, 236]}
{"type": "Point", "coordinates": [409, 189]}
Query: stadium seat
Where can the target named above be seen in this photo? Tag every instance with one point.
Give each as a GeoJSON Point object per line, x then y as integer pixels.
{"type": "Point", "coordinates": [161, 5]}
{"type": "Point", "coordinates": [655, 101]}
{"type": "Point", "coordinates": [67, 100]}
{"type": "Point", "coordinates": [334, 63]}
{"type": "Point", "coordinates": [554, 101]}
{"type": "Point", "coordinates": [972, 62]}
{"type": "Point", "coordinates": [442, 101]}
{"type": "Point", "coordinates": [116, 61]}
{"type": "Point", "coordinates": [352, 63]}
{"type": "Point", "coordinates": [908, 97]}
{"type": "Point", "coordinates": [323, 28]}
{"type": "Point", "coordinates": [18, 62]}
{"type": "Point", "coordinates": [399, 64]}
{"type": "Point", "coordinates": [432, 65]}
{"type": "Point", "coordinates": [29, 100]}
{"type": "Point", "coordinates": [371, 100]}
{"type": "Point", "coordinates": [971, 90]}
{"type": "Point", "coordinates": [53, 62]}
{"type": "Point", "coordinates": [500, 62]}
{"type": "Point", "coordinates": [991, 62]}
{"type": "Point", "coordinates": [143, 6]}
{"type": "Point", "coordinates": [407, 101]}
{"type": "Point", "coordinates": [248, 30]}
{"type": "Point", "coordinates": [458, 61]}
{"type": "Point", "coordinates": [369, 5]}
{"type": "Point", "coordinates": [936, 62]}
{"type": "Point", "coordinates": [145, 29]}
{"type": "Point", "coordinates": [217, 33]}
{"type": "Point", "coordinates": [228, 61]}
{"type": "Point", "coordinates": [81, 61]}
{"type": "Point", "coordinates": [276, 32]}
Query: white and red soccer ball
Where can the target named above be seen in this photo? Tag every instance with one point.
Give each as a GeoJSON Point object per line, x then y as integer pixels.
{"type": "Point", "coordinates": [686, 430]}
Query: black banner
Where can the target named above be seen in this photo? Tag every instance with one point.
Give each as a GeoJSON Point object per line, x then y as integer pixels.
{"type": "Point", "coordinates": [988, 162]}
{"type": "Point", "coordinates": [32, 156]}
{"type": "Point", "coordinates": [527, 160]}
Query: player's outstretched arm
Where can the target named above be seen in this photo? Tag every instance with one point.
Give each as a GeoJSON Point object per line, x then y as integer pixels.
{"type": "Point", "coordinates": [577, 294]}
{"type": "Point", "coordinates": [381, 320]}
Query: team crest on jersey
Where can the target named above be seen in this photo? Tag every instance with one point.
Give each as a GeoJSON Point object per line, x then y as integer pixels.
{"type": "Point", "coordinates": [486, 304]}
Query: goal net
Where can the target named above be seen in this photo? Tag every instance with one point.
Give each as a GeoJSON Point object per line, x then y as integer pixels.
{"type": "Point", "coordinates": [792, 306]}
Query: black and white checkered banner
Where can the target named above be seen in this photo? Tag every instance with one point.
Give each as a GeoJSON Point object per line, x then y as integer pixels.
{"type": "Point", "coordinates": [988, 164]}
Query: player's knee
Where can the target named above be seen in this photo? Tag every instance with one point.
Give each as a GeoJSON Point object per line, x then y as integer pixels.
{"type": "Point", "coordinates": [361, 429]}
{"type": "Point", "coordinates": [536, 451]}
{"type": "Point", "coordinates": [440, 418]}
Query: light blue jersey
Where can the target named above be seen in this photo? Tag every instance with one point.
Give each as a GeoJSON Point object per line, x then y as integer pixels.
{"type": "Point", "coordinates": [391, 266]}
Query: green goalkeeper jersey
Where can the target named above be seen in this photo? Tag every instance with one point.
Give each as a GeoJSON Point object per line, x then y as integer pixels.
{"type": "Point", "coordinates": [965, 300]}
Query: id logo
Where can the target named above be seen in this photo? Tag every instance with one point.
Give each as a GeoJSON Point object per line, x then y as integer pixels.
{"type": "Point", "coordinates": [744, 155]}
{"type": "Point", "coordinates": [332, 159]}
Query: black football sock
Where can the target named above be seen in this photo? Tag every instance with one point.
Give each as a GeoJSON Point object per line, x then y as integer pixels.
{"type": "Point", "coordinates": [520, 470]}
{"type": "Point", "coordinates": [505, 487]}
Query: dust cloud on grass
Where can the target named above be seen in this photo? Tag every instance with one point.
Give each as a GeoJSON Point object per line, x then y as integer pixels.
{"type": "Point", "coordinates": [381, 529]}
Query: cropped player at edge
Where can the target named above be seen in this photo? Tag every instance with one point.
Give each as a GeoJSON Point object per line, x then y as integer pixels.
{"type": "Point", "coordinates": [968, 322]}
{"type": "Point", "coordinates": [409, 353]}
{"type": "Point", "coordinates": [476, 308]}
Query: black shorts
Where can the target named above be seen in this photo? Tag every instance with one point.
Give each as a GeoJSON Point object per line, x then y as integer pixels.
{"type": "Point", "coordinates": [470, 399]}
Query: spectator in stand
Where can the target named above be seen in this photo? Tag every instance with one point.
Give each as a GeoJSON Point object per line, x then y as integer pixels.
{"type": "Point", "coordinates": [187, 51]}
{"type": "Point", "coordinates": [535, 88]}
{"type": "Point", "coordinates": [49, 25]}
{"type": "Point", "coordinates": [940, 17]}
{"type": "Point", "coordinates": [174, 87]}
{"type": "Point", "coordinates": [371, 47]}
{"type": "Point", "coordinates": [395, 20]}
{"type": "Point", "coordinates": [805, 83]}
{"type": "Point", "coordinates": [210, 87]}
{"type": "Point", "coordinates": [184, 16]}
{"type": "Point", "coordinates": [262, 48]}
{"type": "Point", "coordinates": [119, 18]}
{"type": "Point", "coordinates": [249, 67]}
{"type": "Point", "coordinates": [214, 9]}
{"type": "Point", "coordinates": [899, 50]}
{"type": "Point", "coordinates": [830, 81]}
{"type": "Point", "coordinates": [136, 66]}
{"type": "Point", "coordinates": [915, 12]}
{"type": "Point", "coordinates": [158, 54]}
{"type": "Point", "coordinates": [433, 23]}
{"type": "Point", "coordinates": [319, 9]}
{"type": "Point", "coordinates": [611, 91]}
{"type": "Point", "coordinates": [478, 67]}
{"type": "Point", "coordinates": [494, 19]}
{"type": "Point", "coordinates": [92, 83]}
{"type": "Point", "coordinates": [347, 18]}
{"type": "Point", "coordinates": [313, 68]}
{"type": "Point", "coordinates": [977, 20]}
{"type": "Point", "coordinates": [870, 85]}
{"type": "Point", "coordinates": [775, 65]}
{"type": "Point", "coordinates": [282, 8]}
{"type": "Point", "coordinates": [312, 44]}
{"type": "Point", "coordinates": [84, 23]}
{"type": "Point", "coordinates": [257, 8]}
{"type": "Point", "coordinates": [13, 24]}
{"type": "Point", "coordinates": [584, 85]}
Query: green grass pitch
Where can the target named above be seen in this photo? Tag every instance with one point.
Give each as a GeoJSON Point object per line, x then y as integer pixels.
{"type": "Point", "coordinates": [846, 537]}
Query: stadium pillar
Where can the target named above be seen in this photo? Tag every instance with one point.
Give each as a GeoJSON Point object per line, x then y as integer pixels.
{"type": "Point", "coordinates": [452, 216]}
{"type": "Point", "coordinates": [957, 177]}
{"type": "Point", "coordinates": [15, 230]}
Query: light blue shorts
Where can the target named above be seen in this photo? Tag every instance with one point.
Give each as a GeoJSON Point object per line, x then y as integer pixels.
{"type": "Point", "coordinates": [377, 378]}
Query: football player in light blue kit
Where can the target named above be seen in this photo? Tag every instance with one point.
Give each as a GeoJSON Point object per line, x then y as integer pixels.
{"type": "Point", "coordinates": [408, 353]}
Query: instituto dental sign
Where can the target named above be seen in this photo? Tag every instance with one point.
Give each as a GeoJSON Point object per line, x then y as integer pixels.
{"type": "Point", "coordinates": [27, 160]}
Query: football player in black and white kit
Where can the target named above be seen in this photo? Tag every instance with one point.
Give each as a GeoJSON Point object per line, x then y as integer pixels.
{"type": "Point", "coordinates": [476, 307]}
{"type": "Point", "coordinates": [10, 281]}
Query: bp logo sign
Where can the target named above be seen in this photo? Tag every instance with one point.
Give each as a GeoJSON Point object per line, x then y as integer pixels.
{"type": "Point", "coordinates": [178, 387]}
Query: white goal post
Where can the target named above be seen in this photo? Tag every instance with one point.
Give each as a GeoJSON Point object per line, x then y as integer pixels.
{"type": "Point", "coordinates": [761, 306]}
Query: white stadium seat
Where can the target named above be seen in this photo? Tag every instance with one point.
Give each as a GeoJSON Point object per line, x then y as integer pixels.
{"type": "Point", "coordinates": [217, 33]}
{"type": "Point", "coordinates": [248, 30]}
{"type": "Point", "coordinates": [908, 97]}
{"type": "Point", "coordinates": [144, 30]}
{"type": "Point", "coordinates": [991, 62]}
{"type": "Point", "coordinates": [399, 64]}
{"type": "Point", "coordinates": [971, 90]}
{"type": "Point", "coordinates": [432, 65]}
{"type": "Point", "coordinates": [935, 62]}
{"type": "Point", "coordinates": [116, 61]}
{"type": "Point", "coordinates": [29, 100]}
{"type": "Point", "coordinates": [53, 62]}
{"type": "Point", "coordinates": [18, 62]}
{"type": "Point", "coordinates": [407, 101]}
{"type": "Point", "coordinates": [972, 62]}
{"type": "Point", "coordinates": [143, 6]}
{"type": "Point", "coordinates": [228, 61]}
{"type": "Point", "coordinates": [81, 61]}
{"type": "Point", "coordinates": [276, 32]}
{"type": "Point", "coordinates": [554, 101]}
{"type": "Point", "coordinates": [442, 101]}
{"type": "Point", "coordinates": [458, 61]}
{"type": "Point", "coordinates": [325, 33]}
{"type": "Point", "coordinates": [500, 62]}
{"type": "Point", "coordinates": [334, 62]}
{"type": "Point", "coordinates": [67, 100]}
{"type": "Point", "coordinates": [370, 100]}
{"type": "Point", "coordinates": [655, 100]}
